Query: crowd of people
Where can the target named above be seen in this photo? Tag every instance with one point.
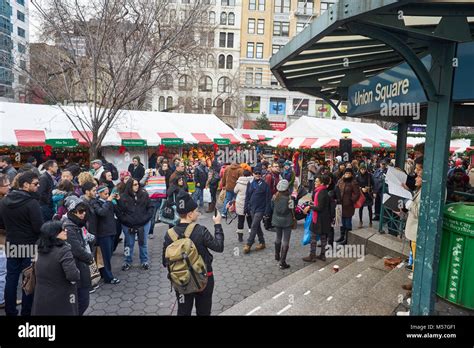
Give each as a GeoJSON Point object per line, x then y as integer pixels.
{"type": "Point", "coordinates": [76, 218]}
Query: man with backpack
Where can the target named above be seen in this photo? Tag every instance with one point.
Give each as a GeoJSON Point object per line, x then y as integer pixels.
{"type": "Point", "coordinates": [187, 257]}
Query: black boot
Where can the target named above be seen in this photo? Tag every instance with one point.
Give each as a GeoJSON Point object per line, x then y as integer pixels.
{"type": "Point", "coordinates": [277, 251]}
{"type": "Point", "coordinates": [343, 235]}
{"type": "Point", "coordinates": [346, 233]}
{"type": "Point", "coordinates": [324, 241]}
{"type": "Point", "coordinates": [284, 252]}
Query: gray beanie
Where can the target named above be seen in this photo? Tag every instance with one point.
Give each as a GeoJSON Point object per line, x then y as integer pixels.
{"type": "Point", "coordinates": [72, 202]}
{"type": "Point", "coordinates": [283, 185]}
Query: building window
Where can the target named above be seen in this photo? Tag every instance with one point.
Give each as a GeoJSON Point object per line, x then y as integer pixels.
{"type": "Point", "coordinates": [169, 103]}
{"type": "Point", "coordinates": [282, 6]}
{"type": "Point", "coordinates": [180, 104]}
{"type": "Point", "coordinates": [251, 26]}
{"type": "Point", "coordinates": [249, 76]}
{"type": "Point", "coordinates": [324, 6]}
{"type": "Point", "coordinates": [210, 39]}
{"type": "Point", "coordinates": [228, 107]}
{"type": "Point", "coordinates": [22, 80]}
{"type": "Point", "coordinates": [300, 107]}
{"type": "Point", "coordinates": [281, 28]}
{"type": "Point", "coordinates": [21, 2]}
{"type": "Point", "coordinates": [305, 7]}
{"type": "Point", "coordinates": [222, 37]}
{"type": "Point", "coordinates": [21, 48]}
{"type": "Point", "coordinates": [252, 5]}
{"type": "Point", "coordinates": [200, 106]}
{"type": "Point", "coordinates": [231, 18]}
{"type": "Point", "coordinates": [230, 40]}
{"type": "Point", "coordinates": [273, 81]}
{"type": "Point", "coordinates": [260, 26]}
{"type": "Point", "coordinates": [223, 85]}
{"type": "Point", "coordinates": [21, 32]}
{"type": "Point", "coordinates": [202, 61]}
{"type": "Point", "coordinates": [208, 107]}
{"type": "Point", "coordinates": [188, 105]}
{"type": "Point", "coordinates": [261, 5]}
{"type": "Point", "coordinates": [166, 82]}
{"type": "Point", "coordinates": [20, 15]}
{"type": "Point", "coordinates": [161, 103]}
{"type": "Point", "coordinates": [252, 104]}
{"type": "Point", "coordinates": [23, 64]}
{"type": "Point", "coordinates": [212, 17]}
{"type": "Point", "coordinates": [221, 61]}
{"type": "Point", "coordinates": [205, 84]}
{"type": "Point", "coordinates": [229, 62]}
{"type": "Point", "coordinates": [223, 18]}
{"type": "Point", "coordinates": [259, 51]}
{"type": "Point", "coordinates": [210, 61]}
{"type": "Point", "coordinates": [277, 106]}
{"type": "Point", "coordinates": [219, 107]}
{"type": "Point", "coordinates": [228, 2]}
{"type": "Point", "coordinates": [258, 76]}
{"type": "Point", "coordinates": [250, 49]}
{"type": "Point", "coordinates": [276, 48]}
{"type": "Point", "coordinates": [300, 27]}
{"type": "Point", "coordinates": [185, 83]}
{"type": "Point", "coordinates": [203, 39]}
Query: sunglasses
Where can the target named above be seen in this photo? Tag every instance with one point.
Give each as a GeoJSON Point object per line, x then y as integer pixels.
{"type": "Point", "coordinates": [35, 183]}
{"type": "Point", "coordinates": [81, 211]}
{"type": "Point", "coordinates": [136, 184]}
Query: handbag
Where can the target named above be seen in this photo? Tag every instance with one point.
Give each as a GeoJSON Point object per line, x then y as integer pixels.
{"type": "Point", "coordinates": [168, 213]}
{"type": "Point", "coordinates": [360, 202]}
{"type": "Point", "coordinates": [307, 230]}
{"type": "Point", "coordinates": [29, 279]}
{"type": "Point", "coordinates": [95, 274]}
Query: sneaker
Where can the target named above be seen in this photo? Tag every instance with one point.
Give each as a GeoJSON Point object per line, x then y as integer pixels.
{"type": "Point", "coordinates": [284, 265]}
{"type": "Point", "coordinates": [260, 246]}
{"type": "Point", "coordinates": [125, 267]}
{"type": "Point", "coordinates": [224, 216]}
{"type": "Point", "coordinates": [92, 290]}
{"type": "Point", "coordinates": [145, 266]}
{"type": "Point", "coordinates": [114, 281]}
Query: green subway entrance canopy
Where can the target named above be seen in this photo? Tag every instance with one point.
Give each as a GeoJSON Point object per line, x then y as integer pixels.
{"type": "Point", "coordinates": [402, 61]}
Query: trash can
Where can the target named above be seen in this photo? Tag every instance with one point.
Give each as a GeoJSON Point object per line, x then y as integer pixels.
{"type": "Point", "coordinates": [456, 262]}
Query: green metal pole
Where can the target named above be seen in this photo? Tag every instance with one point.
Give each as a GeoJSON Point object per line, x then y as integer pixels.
{"type": "Point", "coordinates": [430, 225]}
{"type": "Point", "coordinates": [401, 145]}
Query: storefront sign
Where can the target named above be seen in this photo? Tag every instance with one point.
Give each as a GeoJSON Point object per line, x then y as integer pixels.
{"type": "Point", "coordinates": [172, 141]}
{"type": "Point", "coordinates": [134, 142]}
{"type": "Point", "coordinates": [62, 142]}
{"type": "Point", "coordinates": [222, 141]}
{"type": "Point", "coordinates": [278, 126]}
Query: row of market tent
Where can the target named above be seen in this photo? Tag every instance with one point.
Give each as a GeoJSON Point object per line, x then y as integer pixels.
{"type": "Point", "coordinates": [32, 125]}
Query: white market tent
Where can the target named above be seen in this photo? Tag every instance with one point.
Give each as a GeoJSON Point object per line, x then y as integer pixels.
{"type": "Point", "coordinates": [318, 133]}
{"type": "Point", "coordinates": [257, 134]}
{"type": "Point", "coordinates": [31, 125]}
{"type": "Point", "coordinates": [456, 145]}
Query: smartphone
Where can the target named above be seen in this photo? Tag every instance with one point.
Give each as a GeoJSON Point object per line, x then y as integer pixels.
{"type": "Point", "coordinates": [114, 191]}
{"type": "Point", "coordinates": [215, 212]}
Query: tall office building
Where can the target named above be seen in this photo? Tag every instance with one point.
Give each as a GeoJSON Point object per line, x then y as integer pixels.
{"type": "Point", "coordinates": [14, 38]}
{"type": "Point", "coordinates": [267, 25]}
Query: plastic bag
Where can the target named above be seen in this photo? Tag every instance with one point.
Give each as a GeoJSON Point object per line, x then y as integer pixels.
{"type": "Point", "coordinates": [307, 229]}
{"type": "Point", "coordinates": [207, 196]}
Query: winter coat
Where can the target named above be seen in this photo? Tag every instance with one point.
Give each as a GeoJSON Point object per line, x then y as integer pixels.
{"type": "Point", "coordinates": [231, 175]}
{"type": "Point", "coordinates": [10, 172]}
{"type": "Point", "coordinates": [75, 237]}
{"type": "Point", "coordinates": [176, 174]}
{"type": "Point", "coordinates": [282, 215]}
{"type": "Point", "coordinates": [173, 192]}
{"type": "Point", "coordinates": [45, 190]}
{"type": "Point", "coordinates": [167, 174]}
{"type": "Point", "coordinates": [323, 223]}
{"type": "Point", "coordinates": [347, 195]}
{"type": "Point", "coordinates": [58, 198]}
{"type": "Point", "coordinates": [56, 277]}
{"type": "Point", "coordinates": [411, 226]}
{"type": "Point", "coordinates": [20, 216]}
{"type": "Point", "coordinates": [105, 219]}
{"type": "Point", "coordinates": [135, 211]}
{"type": "Point", "coordinates": [366, 181]}
{"type": "Point", "coordinates": [241, 189]}
{"type": "Point", "coordinates": [312, 170]}
{"type": "Point", "coordinates": [202, 239]}
{"type": "Point", "coordinates": [137, 172]}
{"type": "Point", "coordinates": [201, 174]}
{"type": "Point", "coordinates": [378, 180]}
{"type": "Point", "coordinates": [258, 198]}
{"type": "Point", "coordinates": [91, 216]}
{"type": "Point", "coordinates": [272, 181]}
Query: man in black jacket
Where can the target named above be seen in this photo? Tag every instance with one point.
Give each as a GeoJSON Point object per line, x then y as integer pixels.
{"type": "Point", "coordinates": [201, 174]}
{"type": "Point", "coordinates": [203, 240]}
{"type": "Point", "coordinates": [20, 216]}
{"type": "Point", "coordinates": [45, 190]}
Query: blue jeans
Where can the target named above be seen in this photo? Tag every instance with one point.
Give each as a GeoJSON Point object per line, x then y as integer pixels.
{"type": "Point", "coordinates": [106, 245]}
{"type": "Point", "coordinates": [229, 196]}
{"type": "Point", "coordinates": [198, 196]}
{"type": "Point", "coordinates": [14, 268]}
{"type": "Point", "coordinates": [130, 244]}
{"type": "Point", "coordinates": [3, 274]}
{"type": "Point", "coordinates": [157, 203]}
{"type": "Point", "coordinates": [347, 223]}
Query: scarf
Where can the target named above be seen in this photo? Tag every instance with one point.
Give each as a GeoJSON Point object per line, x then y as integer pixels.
{"type": "Point", "coordinates": [317, 190]}
{"type": "Point", "coordinates": [75, 220]}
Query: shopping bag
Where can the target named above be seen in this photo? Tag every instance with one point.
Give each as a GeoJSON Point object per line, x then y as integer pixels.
{"type": "Point", "coordinates": [156, 187]}
{"type": "Point", "coordinates": [222, 196]}
{"type": "Point", "coordinates": [338, 219]}
{"type": "Point", "coordinates": [360, 202]}
{"type": "Point", "coordinates": [98, 258]}
{"type": "Point", "coordinates": [95, 274]}
{"type": "Point", "coordinates": [307, 229]}
{"type": "Point", "coordinates": [207, 196]}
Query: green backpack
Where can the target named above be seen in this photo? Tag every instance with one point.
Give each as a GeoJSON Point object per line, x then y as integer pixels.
{"type": "Point", "coordinates": [187, 270]}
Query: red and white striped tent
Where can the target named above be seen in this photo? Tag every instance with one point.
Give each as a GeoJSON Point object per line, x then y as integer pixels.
{"type": "Point", "coordinates": [317, 133]}
{"type": "Point", "coordinates": [456, 145]}
{"type": "Point", "coordinates": [31, 125]}
{"type": "Point", "coordinates": [261, 135]}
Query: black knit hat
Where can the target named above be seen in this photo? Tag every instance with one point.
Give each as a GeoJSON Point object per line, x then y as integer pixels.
{"type": "Point", "coordinates": [184, 203]}
{"type": "Point", "coordinates": [349, 170]}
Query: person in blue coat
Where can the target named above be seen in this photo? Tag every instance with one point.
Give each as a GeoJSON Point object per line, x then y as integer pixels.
{"type": "Point", "coordinates": [257, 204]}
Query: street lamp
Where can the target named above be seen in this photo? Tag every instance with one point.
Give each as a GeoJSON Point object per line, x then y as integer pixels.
{"type": "Point", "coordinates": [346, 133]}
{"type": "Point", "coordinates": [345, 145]}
